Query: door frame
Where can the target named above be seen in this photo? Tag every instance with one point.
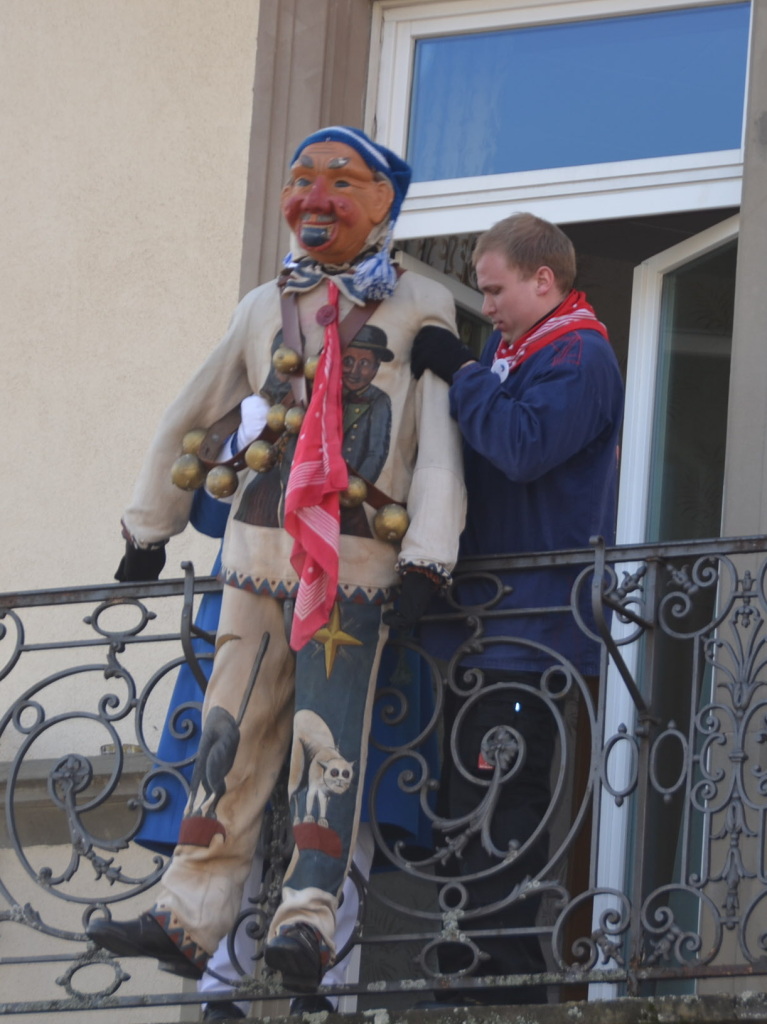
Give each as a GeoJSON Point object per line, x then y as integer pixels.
{"type": "Point", "coordinates": [642, 368]}
{"type": "Point", "coordinates": [636, 454]}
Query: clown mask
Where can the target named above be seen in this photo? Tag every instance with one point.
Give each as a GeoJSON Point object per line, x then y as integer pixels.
{"type": "Point", "coordinates": [333, 201]}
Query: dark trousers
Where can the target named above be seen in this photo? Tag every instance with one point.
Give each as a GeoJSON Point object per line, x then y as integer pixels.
{"type": "Point", "coordinates": [506, 700]}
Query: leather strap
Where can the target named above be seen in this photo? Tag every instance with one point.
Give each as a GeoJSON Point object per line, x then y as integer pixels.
{"type": "Point", "coordinates": [291, 337]}
{"type": "Point", "coordinates": [217, 434]}
{"type": "Point", "coordinates": [376, 498]}
{"type": "Point", "coordinates": [227, 425]}
{"type": "Point", "coordinates": [348, 329]}
{"type": "Point", "coordinates": [354, 321]}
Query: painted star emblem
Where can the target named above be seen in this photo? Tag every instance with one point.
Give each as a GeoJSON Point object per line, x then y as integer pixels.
{"type": "Point", "coordinates": [332, 637]}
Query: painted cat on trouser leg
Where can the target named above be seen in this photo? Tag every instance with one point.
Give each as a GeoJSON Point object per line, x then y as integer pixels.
{"type": "Point", "coordinates": [326, 691]}
{"type": "Point", "coordinates": [319, 765]}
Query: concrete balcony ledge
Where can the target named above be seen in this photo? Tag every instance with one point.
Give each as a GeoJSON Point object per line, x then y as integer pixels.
{"type": "Point", "coordinates": [711, 1009]}
{"type": "Point", "coordinates": [32, 806]}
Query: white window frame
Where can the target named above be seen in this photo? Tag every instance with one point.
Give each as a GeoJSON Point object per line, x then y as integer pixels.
{"type": "Point", "coordinates": [563, 194]}
{"type": "Point", "coordinates": [636, 454]}
{"type": "Point", "coordinates": [642, 370]}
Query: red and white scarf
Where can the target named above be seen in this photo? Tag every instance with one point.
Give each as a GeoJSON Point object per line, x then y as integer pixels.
{"type": "Point", "coordinates": [572, 314]}
{"type": "Point", "coordinates": [317, 476]}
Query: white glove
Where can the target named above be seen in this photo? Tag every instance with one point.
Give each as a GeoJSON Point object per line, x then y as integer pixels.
{"type": "Point", "coordinates": [253, 410]}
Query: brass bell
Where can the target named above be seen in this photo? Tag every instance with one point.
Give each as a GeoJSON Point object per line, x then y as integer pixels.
{"type": "Point", "coordinates": [310, 367]}
{"type": "Point", "coordinates": [188, 472]}
{"type": "Point", "coordinates": [260, 456]}
{"type": "Point", "coordinates": [355, 493]}
{"type": "Point", "coordinates": [286, 360]}
{"type": "Point", "coordinates": [391, 522]}
{"type": "Point", "coordinates": [221, 481]}
{"type": "Point", "coordinates": [294, 418]}
{"type": "Point", "coordinates": [275, 417]}
{"type": "Point", "coordinates": [192, 441]}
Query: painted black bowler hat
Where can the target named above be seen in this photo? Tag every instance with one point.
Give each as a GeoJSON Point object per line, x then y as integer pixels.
{"type": "Point", "coordinates": [374, 339]}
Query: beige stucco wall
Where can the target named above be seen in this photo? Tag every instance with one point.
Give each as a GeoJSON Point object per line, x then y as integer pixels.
{"type": "Point", "coordinates": [124, 142]}
{"type": "Point", "coordinates": [32, 983]}
{"type": "Point", "coordinates": [125, 130]}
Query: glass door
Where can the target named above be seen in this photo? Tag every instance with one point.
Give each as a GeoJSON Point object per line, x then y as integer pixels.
{"type": "Point", "coordinates": [672, 463]}
{"type": "Point", "coordinates": [676, 389]}
{"type": "Point", "coordinates": [693, 375]}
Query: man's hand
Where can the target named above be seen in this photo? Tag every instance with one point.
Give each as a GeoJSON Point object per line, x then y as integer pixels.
{"type": "Point", "coordinates": [436, 349]}
{"type": "Point", "coordinates": [415, 596]}
{"type": "Point", "coordinates": [140, 564]}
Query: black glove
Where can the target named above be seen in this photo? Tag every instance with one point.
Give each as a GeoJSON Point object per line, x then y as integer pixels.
{"type": "Point", "coordinates": [140, 564]}
{"type": "Point", "coordinates": [436, 349]}
{"type": "Point", "coordinates": [415, 596]}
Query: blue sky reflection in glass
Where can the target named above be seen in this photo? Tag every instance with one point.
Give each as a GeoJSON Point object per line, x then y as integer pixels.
{"type": "Point", "coordinates": [582, 92]}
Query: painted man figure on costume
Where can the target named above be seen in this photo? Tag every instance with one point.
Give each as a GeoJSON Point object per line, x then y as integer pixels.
{"type": "Point", "coordinates": [306, 607]}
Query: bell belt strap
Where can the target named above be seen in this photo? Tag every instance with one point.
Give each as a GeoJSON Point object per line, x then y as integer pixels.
{"type": "Point", "coordinates": [348, 329]}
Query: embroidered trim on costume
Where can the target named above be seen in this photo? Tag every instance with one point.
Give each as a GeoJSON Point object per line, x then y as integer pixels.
{"type": "Point", "coordinates": [282, 590]}
{"type": "Point", "coordinates": [180, 937]}
{"type": "Point", "coordinates": [142, 545]}
{"type": "Point", "coordinates": [429, 568]}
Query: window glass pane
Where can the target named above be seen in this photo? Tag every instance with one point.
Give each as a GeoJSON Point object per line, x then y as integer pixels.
{"type": "Point", "coordinates": [624, 88]}
{"type": "Point", "coordinates": [690, 430]}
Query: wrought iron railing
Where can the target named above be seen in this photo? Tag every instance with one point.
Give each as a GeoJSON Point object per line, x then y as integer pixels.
{"type": "Point", "coordinates": [653, 868]}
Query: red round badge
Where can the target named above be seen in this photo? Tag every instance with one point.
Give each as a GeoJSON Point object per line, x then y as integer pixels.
{"type": "Point", "coordinates": [325, 315]}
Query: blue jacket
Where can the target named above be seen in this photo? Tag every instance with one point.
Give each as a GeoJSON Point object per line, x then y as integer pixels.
{"type": "Point", "coordinates": [541, 453]}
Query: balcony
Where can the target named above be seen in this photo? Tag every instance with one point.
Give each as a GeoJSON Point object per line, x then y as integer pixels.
{"type": "Point", "coordinates": [652, 881]}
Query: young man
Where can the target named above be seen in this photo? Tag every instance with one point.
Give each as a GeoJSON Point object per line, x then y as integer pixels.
{"type": "Point", "coordinates": [540, 414]}
{"type": "Point", "coordinates": [285, 542]}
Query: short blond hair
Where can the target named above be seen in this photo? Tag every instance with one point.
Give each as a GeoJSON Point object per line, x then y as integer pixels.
{"type": "Point", "coordinates": [528, 242]}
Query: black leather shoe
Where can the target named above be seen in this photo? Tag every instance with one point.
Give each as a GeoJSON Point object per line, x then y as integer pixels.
{"type": "Point", "coordinates": [142, 936]}
{"type": "Point", "coordinates": [297, 952]}
{"type": "Point", "coordinates": [222, 1011]}
{"type": "Point", "coordinates": [311, 1004]}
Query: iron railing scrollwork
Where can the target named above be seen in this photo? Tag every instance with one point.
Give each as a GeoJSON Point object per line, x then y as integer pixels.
{"type": "Point", "coordinates": [647, 864]}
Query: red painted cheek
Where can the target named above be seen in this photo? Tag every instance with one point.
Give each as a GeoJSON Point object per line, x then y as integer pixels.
{"type": "Point", "coordinates": [346, 211]}
{"type": "Point", "coordinates": [291, 208]}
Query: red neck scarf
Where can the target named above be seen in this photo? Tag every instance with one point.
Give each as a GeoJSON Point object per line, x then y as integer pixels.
{"type": "Point", "coordinates": [317, 475]}
{"type": "Point", "coordinates": [572, 314]}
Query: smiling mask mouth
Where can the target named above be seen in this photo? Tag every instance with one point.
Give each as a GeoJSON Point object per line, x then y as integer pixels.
{"type": "Point", "coordinates": [307, 244]}
{"type": "Point", "coordinates": [315, 235]}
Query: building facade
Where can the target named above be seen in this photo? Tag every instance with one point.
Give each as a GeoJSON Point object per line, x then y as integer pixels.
{"type": "Point", "coordinates": [146, 147]}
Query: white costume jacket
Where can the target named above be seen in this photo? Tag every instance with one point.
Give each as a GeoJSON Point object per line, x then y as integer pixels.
{"type": "Point", "coordinates": [421, 461]}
